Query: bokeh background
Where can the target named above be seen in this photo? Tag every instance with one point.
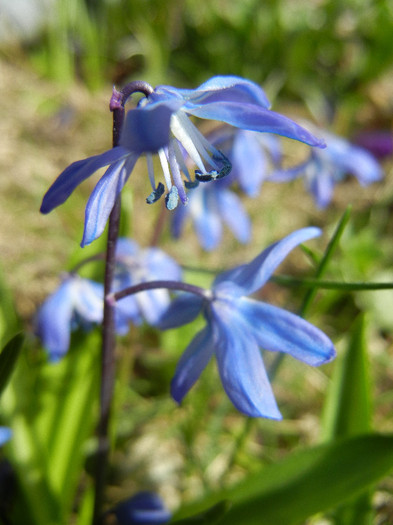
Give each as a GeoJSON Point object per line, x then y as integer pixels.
{"type": "Point", "coordinates": [327, 61]}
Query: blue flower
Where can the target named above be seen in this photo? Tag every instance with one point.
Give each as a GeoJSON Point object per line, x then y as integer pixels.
{"type": "Point", "coordinates": [76, 302]}
{"type": "Point", "coordinates": [325, 168]}
{"type": "Point", "coordinates": [160, 124]}
{"type": "Point", "coordinates": [5, 435]}
{"type": "Point", "coordinates": [237, 326]}
{"type": "Point", "coordinates": [209, 206]}
{"type": "Point", "coordinates": [145, 508]}
{"type": "Point", "coordinates": [134, 266]}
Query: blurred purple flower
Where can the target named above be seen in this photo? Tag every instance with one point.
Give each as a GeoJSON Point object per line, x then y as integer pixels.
{"type": "Point", "coordinates": [325, 168]}
{"type": "Point", "coordinates": [160, 124]}
{"type": "Point", "coordinates": [5, 435]}
{"type": "Point", "coordinates": [379, 142]}
{"type": "Point", "coordinates": [209, 206]}
{"type": "Point", "coordinates": [76, 302]}
{"type": "Point", "coordinates": [135, 265]}
{"type": "Point", "coordinates": [237, 326]}
{"type": "Point", "coordinates": [145, 508]}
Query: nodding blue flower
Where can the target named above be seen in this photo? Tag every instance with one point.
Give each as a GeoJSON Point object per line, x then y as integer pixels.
{"type": "Point", "coordinates": [76, 302]}
{"type": "Point", "coordinates": [134, 266]}
{"type": "Point", "coordinates": [209, 206]}
{"type": "Point", "coordinates": [145, 508]}
{"type": "Point", "coordinates": [160, 124]}
{"type": "Point", "coordinates": [323, 169]}
{"type": "Point", "coordinates": [238, 326]}
{"type": "Point", "coordinates": [5, 435]}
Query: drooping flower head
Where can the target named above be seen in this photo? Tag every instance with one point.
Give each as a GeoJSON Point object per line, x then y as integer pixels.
{"type": "Point", "coordinates": [325, 168]}
{"type": "Point", "coordinates": [160, 124]}
{"type": "Point", "coordinates": [238, 326]}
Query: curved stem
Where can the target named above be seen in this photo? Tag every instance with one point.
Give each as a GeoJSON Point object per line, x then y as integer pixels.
{"type": "Point", "coordinates": [154, 285]}
{"type": "Point", "coordinates": [116, 105]}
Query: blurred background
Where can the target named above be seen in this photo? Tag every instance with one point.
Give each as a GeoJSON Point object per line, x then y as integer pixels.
{"type": "Point", "coordinates": [330, 61]}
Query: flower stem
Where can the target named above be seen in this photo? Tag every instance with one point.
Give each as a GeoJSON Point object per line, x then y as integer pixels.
{"type": "Point", "coordinates": [154, 285]}
{"type": "Point", "coordinates": [117, 103]}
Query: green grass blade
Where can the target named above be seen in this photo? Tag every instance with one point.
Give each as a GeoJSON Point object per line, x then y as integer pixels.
{"type": "Point", "coordinates": [8, 359]}
{"type": "Point", "coordinates": [307, 482]}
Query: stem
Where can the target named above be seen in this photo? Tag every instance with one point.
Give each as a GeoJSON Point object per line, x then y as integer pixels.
{"type": "Point", "coordinates": [118, 100]}
{"type": "Point", "coordinates": [154, 285]}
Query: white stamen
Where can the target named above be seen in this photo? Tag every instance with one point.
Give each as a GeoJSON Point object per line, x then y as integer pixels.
{"type": "Point", "coordinates": [182, 135]}
{"type": "Point", "coordinates": [165, 168]}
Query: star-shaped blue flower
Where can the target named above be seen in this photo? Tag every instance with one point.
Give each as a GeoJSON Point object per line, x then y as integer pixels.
{"type": "Point", "coordinates": [238, 326]}
{"type": "Point", "coordinates": [325, 168]}
{"type": "Point", "coordinates": [160, 124]}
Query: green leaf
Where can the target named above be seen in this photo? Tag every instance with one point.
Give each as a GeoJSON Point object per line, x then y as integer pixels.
{"type": "Point", "coordinates": [209, 517]}
{"type": "Point", "coordinates": [348, 403]}
{"type": "Point", "coordinates": [348, 412]}
{"type": "Point", "coordinates": [307, 482]}
{"type": "Point", "coordinates": [8, 359]}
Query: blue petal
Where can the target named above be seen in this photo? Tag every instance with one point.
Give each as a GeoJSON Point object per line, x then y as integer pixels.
{"type": "Point", "coordinates": [89, 300]}
{"type": "Point", "coordinates": [204, 213]}
{"type": "Point", "coordinates": [240, 364]}
{"type": "Point", "coordinates": [234, 215]}
{"type": "Point", "coordinates": [321, 185]}
{"type": "Point", "coordinates": [184, 309]}
{"type": "Point", "coordinates": [286, 175]}
{"type": "Point", "coordinates": [246, 279]}
{"type": "Point", "coordinates": [153, 304]}
{"type": "Point", "coordinates": [54, 321]}
{"type": "Point", "coordinates": [126, 248]}
{"type": "Point", "coordinates": [159, 265]}
{"type": "Point", "coordinates": [147, 128]}
{"type": "Point", "coordinates": [363, 165]}
{"type": "Point", "coordinates": [5, 435]}
{"type": "Point", "coordinates": [254, 118]}
{"type": "Point", "coordinates": [192, 363]}
{"type": "Point", "coordinates": [103, 197]}
{"type": "Point", "coordinates": [226, 88]}
{"type": "Point", "coordinates": [277, 330]}
{"type": "Point", "coordinates": [145, 508]}
{"type": "Point", "coordinates": [249, 162]}
{"type": "Point", "coordinates": [76, 173]}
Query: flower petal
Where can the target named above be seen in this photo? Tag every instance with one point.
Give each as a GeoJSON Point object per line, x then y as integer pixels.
{"type": "Point", "coordinates": [240, 364]}
{"type": "Point", "coordinates": [234, 215]}
{"type": "Point", "coordinates": [246, 279]}
{"type": "Point", "coordinates": [182, 310]}
{"type": "Point", "coordinates": [76, 173]}
{"type": "Point", "coordinates": [277, 330]}
{"type": "Point", "coordinates": [226, 88]}
{"type": "Point", "coordinates": [249, 162]}
{"type": "Point", "coordinates": [192, 363]}
{"type": "Point", "coordinates": [103, 197]}
{"type": "Point", "coordinates": [321, 185]}
{"type": "Point", "coordinates": [204, 213]}
{"type": "Point", "coordinates": [53, 324]}
{"type": "Point", "coordinates": [144, 508]}
{"type": "Point", "coordinates": [254, 118]}
{"type": "Point", "coordinates": [146, 128]}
